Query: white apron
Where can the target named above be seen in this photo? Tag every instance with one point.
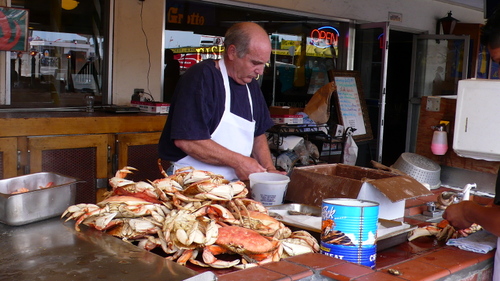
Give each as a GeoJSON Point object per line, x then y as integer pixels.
{"type": "Point", "coordinates": [496, 263]}
{"type": "Point", "coordinates": [233, 132]}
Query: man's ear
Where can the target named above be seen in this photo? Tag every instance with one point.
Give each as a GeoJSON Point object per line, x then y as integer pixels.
{"type": "Point", "coordinates": [231, 52]}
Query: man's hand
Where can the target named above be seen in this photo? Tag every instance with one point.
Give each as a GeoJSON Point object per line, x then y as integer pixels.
{"type": "Point", "coordinates": [276, 171]}
{"type": "Point", "coordinates": [455, 214]}
{"type": "Point", "coordinates": [465, 213]}
{"type": "Point", "coordinates": [246, 167]}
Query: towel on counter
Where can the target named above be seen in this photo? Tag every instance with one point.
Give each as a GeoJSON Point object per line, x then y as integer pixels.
{"type": "Point", "coordinates": [480, 242]}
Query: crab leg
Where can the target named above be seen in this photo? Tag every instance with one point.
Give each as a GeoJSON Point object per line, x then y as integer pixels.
{"type": "Point", "coordinates": [209, 258]}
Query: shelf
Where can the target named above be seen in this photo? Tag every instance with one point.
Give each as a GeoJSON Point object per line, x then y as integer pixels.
{"type": "Point", "coordinates": [298, 129]}
{"type": "Point", "coordinates": [317, 134]}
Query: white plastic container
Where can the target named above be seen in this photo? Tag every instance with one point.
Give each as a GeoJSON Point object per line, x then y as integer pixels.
{"type": "Point", "coordinates": [268, 188]}
{"type": "Point", "coordinates": [476, 130]}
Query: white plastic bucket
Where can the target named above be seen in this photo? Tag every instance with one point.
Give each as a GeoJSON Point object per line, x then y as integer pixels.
{"type": "Point", "coordinates": [268, 188]}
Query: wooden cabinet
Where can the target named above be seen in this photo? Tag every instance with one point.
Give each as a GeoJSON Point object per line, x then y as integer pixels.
{"type": "Point", "coordinates": [8, 157]}
{"type": "Point", "coordinates": [139, 150]}
{"type": "Point", "coordinates": [85, 157]}
{"type": "Point", "coordinates": [88, 148]}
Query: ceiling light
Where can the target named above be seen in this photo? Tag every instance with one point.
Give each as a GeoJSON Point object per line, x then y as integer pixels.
{"type": "Point", "coordinates": [69, 4]}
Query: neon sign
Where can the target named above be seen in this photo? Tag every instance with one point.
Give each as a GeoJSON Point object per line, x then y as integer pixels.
{"type": "Point", "coordinates": [213, 52]}
{"type": "Point", "coordinates": [325, 37]}
{"type": "Point", "coordinates": [190, 56]}
{"type": "Point", "coordinates": [175, 16]}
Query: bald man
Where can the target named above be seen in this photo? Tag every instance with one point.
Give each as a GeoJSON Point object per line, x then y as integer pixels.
{"type": "Point", "coordinates": [218, 116]}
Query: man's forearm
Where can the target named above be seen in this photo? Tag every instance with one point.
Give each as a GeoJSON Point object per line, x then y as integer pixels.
{"type": "Point", "coordinates": [208, 151]}
{"type": "Point", "coordinates": [487, 217]}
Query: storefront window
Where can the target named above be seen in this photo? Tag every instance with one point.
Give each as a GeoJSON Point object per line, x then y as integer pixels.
{"type": "Point", "coordinates": [65, 52]}
{"type": "Point", "coordinates": [304, 49]}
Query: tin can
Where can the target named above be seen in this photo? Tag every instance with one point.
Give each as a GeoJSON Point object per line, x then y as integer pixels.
{"type": "Point", "coordinates": [349, 230]}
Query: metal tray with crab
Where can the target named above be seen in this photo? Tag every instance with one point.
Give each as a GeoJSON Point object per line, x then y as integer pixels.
{"type": "Point", "coordinates": [300, 216]}
{"type": "Point", "coordinates": [44, 195]}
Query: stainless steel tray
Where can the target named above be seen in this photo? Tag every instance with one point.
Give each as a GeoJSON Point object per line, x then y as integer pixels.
{"type": "Point", "coordinates": [36, 204]}
{"type": "Point", "coordinates": [389, 233]}
{"type": "Point", "coordinates": [298, 221]}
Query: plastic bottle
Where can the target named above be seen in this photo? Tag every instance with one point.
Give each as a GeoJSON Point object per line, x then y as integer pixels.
{"type": "Point", "coordinates": [439, 144]}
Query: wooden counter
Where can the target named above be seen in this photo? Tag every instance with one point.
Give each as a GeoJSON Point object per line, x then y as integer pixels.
{"type": "Point", "coordinates": [87, 146]}
{"type": "Point", "coordinates": [67, 123]}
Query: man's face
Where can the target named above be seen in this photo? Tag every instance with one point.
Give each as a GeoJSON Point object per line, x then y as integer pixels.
{"type": "Point", "coordinates": [252, 64]}
{"type": "Point", "coordinates": [494, 54]}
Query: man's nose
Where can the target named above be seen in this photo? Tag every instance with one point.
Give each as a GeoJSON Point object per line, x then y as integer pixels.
{"type": "Point", "coordinates": [260, 70]}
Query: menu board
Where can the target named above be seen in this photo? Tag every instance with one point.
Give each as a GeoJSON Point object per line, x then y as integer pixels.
{"type": "Point", "coordinates": [350, 103]}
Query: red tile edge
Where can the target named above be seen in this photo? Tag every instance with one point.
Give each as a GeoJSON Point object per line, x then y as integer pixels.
{"type": "Point", "coordinates": [254, 273]}
{"type": "Point", "coordinates": [417, 270]}
{"type": "Point", "coordinates": [379, 276]}
{"type": "Point", "coordinates": [480, 257]}
{"type": "Point", "coordinates": [450, 259]}
{"type": "Point", "coordinates": [315, 261]}
{"type": "Point", "coordinates": [292, 270]}
{"type": "Point", "coordinates": [346, 271]}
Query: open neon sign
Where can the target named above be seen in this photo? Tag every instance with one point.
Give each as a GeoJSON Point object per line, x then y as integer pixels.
{"type": "Point", "coordinates": [325, 37]}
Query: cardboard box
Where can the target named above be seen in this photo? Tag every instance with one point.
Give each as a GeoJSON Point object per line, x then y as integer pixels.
{"type": "Point", "coordinates": [284, 110]}
{"type": "Point", "coordinates": [152, 106]}
{"type": "Point", "coordinates": [311, 184]}
{"type": "Point", "coordinates": [288, 119]}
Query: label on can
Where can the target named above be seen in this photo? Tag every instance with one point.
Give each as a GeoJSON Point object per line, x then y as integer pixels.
{"type": "Point", "coordinates": [349, 230]}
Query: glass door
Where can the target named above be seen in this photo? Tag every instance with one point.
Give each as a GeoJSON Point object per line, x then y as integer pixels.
{"type": "Point", "coordinates": [438, 63]}
{"type": "Point", "coordinates": [371, 53]}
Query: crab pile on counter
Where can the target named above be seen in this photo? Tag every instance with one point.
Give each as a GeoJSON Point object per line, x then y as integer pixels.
{"type": "Point", "coordinates": [189, 213]}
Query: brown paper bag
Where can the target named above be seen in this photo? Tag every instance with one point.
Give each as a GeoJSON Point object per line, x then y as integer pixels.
{"type": "Point", "coordinates": [318, 107]}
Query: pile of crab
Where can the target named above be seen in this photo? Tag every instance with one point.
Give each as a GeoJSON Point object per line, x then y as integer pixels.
{"type": "Point", "coordinates": [189, 213]}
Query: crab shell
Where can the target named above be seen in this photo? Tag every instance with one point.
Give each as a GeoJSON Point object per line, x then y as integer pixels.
{"type": "Point", "coordinates": [299, 242]}
{"type": "Point", "coordinates": [250, 205]}
{"type": "Point", "coordinates": [143, 190]}
{"type": "Point", "coordinates": [216, 189]}
{"type": "Point", "coordinates": [245, 241]}
{"type": "Point", "coordinates": [265, 224]}
{"type": "Point", "coordinates": [248, 243]}
{"type": "Point", "coordinates": [204, 186]}
{"type": "Point", "coordinates": [188, 175]}
{"type": "Point", "coordinates": [103, 215]}
{"type": "Point", "coordinates": [132, 228]}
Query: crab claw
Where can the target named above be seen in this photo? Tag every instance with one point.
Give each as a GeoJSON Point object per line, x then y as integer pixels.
{"type": "Point", "coordinates": [209, 258]}
{"type": "Point", "coordinates": [76, 211]}
{"type": "Point", "coordinates": [123, 172]}
{"type": "Point", "coordinates": [423, 231]}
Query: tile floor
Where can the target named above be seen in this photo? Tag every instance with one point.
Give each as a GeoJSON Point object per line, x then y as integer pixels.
{"type": "Point", "coordinates": [424, 258]}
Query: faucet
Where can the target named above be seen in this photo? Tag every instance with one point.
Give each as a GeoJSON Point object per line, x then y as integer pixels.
{"type": "Point", "coordinates": [435, 209]}
{"type": "Point", "coordinates": [465, 193]}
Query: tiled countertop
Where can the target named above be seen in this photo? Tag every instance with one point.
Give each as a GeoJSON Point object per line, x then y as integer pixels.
{"type": "Point", "coordinates": [424, 258]}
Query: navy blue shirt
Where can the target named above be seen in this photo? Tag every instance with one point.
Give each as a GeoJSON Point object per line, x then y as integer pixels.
{"type": "Point", "coordinates": [198, 105]}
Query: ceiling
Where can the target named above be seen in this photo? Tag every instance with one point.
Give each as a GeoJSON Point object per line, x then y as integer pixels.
{"type": "Point", "coordinates": [473, 4]}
